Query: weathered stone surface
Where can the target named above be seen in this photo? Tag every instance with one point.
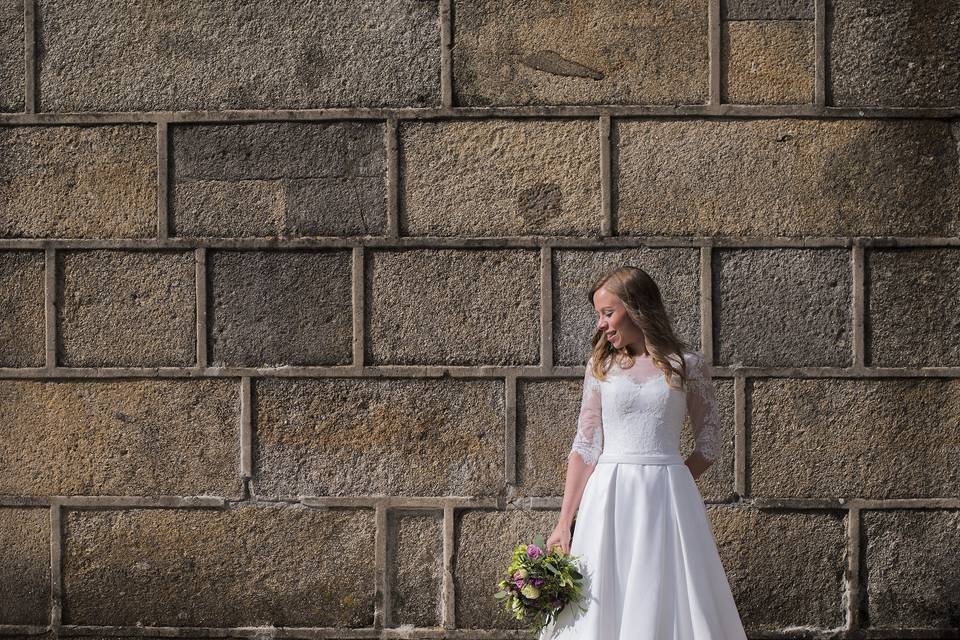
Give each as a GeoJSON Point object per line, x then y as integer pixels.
{"type": "Point", "coordinates": [782, 307]}
{"type": "Point", "coordinates": [24, 566]}
{"type": "Point", "coordinates": [547, 412]}
{"type": "Point", "coordinates": [78, 182]}
{"type": "Point", "coordinates": [484, 544]}
{"type": "Point", "coordinates": [22, 328]}
{"type": "Point", "coordinates": [416, 568]}
{"type": "Point", "coordinates": [767, 9]}
{"type": "Point", "coordinates": [453, 307]}
{"type": "Point", "coordinates": [379, 436]}
{"type": "Point", "coordinates": [786, 177]}
{"type": "Point", "coordinates": [592, 52]}
{"type": "Point", "coordinates": [234, 55]}
{"type": "Point", "coordinates": [278, 179]}
{"type": "Point", "coordinates": [879, 438]}
{"type": "Point", "coordinates": [893, 53]}
{"type": "Point", "coordinates": [907, 583]}
{"type": "Point", "coordinates": [676, 272]}
{"type": "Point", "coordinates": [246, 566]}
{"type": "Point", "coordinates": [509, 177]}
{"type": "Point", "coordinates": [126, 308]}
{"type": "Point", "coordinates": [11, 55]}
{"type": "Point", "coordinates": [766, 62]}
{"type": "Point", "coordinates": [913, 308]}
{"type": "Point", "coordinates": [119, 437]}
{"type": "Point", "coordinates": [270, 308]}
{"type": "Point", "coordinates": [798, 558]}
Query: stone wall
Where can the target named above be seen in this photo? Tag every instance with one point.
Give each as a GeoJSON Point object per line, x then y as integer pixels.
{"type": "Point", "coordinates": [293, 313]}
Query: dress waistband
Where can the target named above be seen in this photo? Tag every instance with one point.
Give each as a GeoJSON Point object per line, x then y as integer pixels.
{"type": "Point", "coordinates": [639, 458]}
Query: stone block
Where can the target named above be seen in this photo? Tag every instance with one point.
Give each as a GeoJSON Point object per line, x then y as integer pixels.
{"type": "Point", "coordinates": [767, 62]}
{"type": "Point", "coordinates": [596, 52]}
{"type": "Point", "coordinates": [783, 307]}
{"type": "Point", "coordinates": [11, 56]}
{"type": "Point", "coordinates": [767, 9]}
{"type": "Point", "coordinates": [484, 546]}
{"type": "Point", "coordinates": [453, 307]}
{"type": "Point", "coordinates": [508, 177]}
{"type": "Point", "coordinates": [399, 436]}
{"type": "Point", "coordinates": [785, 569]}
{"type": "Point", "coordinates": [893, 53]}
{"type": "Point", "coordinates": [183, 55]}
{"type": "Point", "coordinates": [126, 308]}
{"type": "Point", "coordinates": [786, 177]}
{"type": "Point", "coordinates": [913, 307]}
{"type": "Point", "coordinates": [78, 182]}
{"type": "Point", "coordinates": [845, 438]}
{"type": "Point", "coordinates": [273, 308]}
{"type": "Point", "coordinates": [911, 582]}
{"type": "Point", "coordinates": [242, 567]}
{"type": "Point", "coordinates": [675, 271]}
{"type": "Point", "coordinates": [24, 566]}
{"type": "Point", "coordinates": [120, 437]}
{"type": "Point", "coordinates": [22, 323]}
{"type": "Point", "coordinates": [278, 179]}
{"type": "Point", "coordinates": [416, 568]}
{"type": "Point", "coordinates": [547, 412]}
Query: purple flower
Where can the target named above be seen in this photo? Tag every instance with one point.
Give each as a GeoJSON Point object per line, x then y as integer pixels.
{"type": "Point", "coordinates": [537, 582]}
{"type": "Point", "coordinates": [534, 552]}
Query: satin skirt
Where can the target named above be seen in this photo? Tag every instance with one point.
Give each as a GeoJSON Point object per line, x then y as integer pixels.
{"type": "Point", "coordinates": [649, 558]}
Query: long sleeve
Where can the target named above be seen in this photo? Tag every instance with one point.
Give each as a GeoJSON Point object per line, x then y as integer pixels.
{"type": "Point", "coordinates": [588, 442]}
{"type": "Point", "coordinates": [702, 407]}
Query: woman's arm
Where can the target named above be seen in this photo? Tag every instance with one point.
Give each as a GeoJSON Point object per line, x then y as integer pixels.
{"type": "Point", "coordinates": [578, 472]}
{"type": "Point", "coordinates": [704, 417]}
{"type": "Point", "coordinates": [582, 459]}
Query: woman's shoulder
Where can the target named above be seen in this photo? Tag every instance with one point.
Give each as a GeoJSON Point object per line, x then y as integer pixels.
{"type": "Point", "coordinates": [690, 356]}
{"type": "Point", "coordinates": [697, 364]}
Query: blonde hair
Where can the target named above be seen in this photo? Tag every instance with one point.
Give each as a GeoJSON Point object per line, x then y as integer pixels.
{"type": "Point", "coordinates": [644, 305]}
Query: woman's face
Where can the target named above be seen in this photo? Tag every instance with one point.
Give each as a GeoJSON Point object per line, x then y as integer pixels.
{"type": "Point", "coordinates": [614, 322]}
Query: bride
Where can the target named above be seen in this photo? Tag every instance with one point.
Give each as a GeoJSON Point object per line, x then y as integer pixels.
{"type": "Point", "coordinates": [650, 562]}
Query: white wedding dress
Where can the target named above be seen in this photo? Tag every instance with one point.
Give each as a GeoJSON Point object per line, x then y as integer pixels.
{"type": "Point", "coordinates": [649, 558]}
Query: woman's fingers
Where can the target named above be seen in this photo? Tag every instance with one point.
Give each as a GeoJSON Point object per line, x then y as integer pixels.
{"type": "Point", "coordinates": [559, 538]}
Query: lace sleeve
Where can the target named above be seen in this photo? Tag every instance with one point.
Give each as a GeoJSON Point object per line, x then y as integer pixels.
{"type": "Point", "coordinates": [702, 407]}
{"type": "Point", "coordinates": [588, 443]}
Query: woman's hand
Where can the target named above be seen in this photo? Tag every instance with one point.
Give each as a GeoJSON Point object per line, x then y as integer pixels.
{"type": "Point", "coordinates": [697, 464]}
{"type": "Point", "coordinates": [560, 538]}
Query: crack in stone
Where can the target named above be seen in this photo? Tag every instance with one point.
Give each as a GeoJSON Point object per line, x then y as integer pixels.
{"type": "Point", "coordinates": [552, 62]}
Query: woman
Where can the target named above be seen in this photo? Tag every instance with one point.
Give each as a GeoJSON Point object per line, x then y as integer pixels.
{"type": "Point", "coordinates": [651, 566]}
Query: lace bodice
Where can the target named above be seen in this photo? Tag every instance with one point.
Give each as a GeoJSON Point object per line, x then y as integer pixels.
{"type": "Point", "coordinates": [635, 411]}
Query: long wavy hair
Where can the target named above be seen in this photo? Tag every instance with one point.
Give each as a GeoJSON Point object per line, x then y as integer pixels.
{"type": "Point", "coordinates": [644, 305]}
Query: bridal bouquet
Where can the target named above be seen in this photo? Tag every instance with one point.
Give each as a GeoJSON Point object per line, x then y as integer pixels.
{"type": "Point", "coordinates": [540, 584]}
